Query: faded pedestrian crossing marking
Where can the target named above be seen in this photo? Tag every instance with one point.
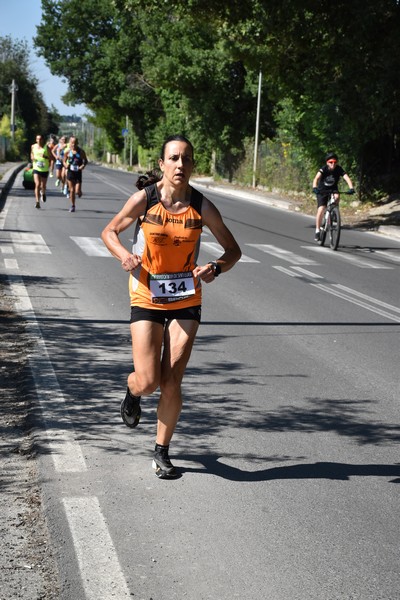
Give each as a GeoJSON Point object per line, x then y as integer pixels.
{"type": "Point", "coordinates": [91, 246]}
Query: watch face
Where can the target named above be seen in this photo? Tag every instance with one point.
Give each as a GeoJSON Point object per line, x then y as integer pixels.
{"type": "Point", "coordinates": [216, 268]}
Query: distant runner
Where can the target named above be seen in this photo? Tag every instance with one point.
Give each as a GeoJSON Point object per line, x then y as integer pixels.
{"type": "Point", "coordinates": [40, 157]}
{"type": "Point", "coordinates": [74, 162]}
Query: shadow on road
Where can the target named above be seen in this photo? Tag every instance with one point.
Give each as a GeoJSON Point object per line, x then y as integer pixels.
{"type": "Point", "coordinates": [320, 470]}
{"type": "Point", "coordinates": [93, 380]}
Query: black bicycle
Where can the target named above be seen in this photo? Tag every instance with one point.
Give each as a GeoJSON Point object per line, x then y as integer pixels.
{"type": "Point", "coordinates": [331, 222]}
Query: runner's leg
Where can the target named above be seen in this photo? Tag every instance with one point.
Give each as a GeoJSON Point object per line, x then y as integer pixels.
{"type": "Point", "coordinates": [147, 339]}
{"type": "Point", "coordinates": [43, 182]}
{"type": "Point", "coordinates": [36, 179]}
{"type": "Point", "coordinates": [71, 190]}
{"type": "Point", "coordinates": [178, 342]}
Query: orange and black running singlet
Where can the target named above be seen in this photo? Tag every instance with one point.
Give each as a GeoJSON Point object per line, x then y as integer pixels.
{"type": "Point", "coordinates": [169, 246]}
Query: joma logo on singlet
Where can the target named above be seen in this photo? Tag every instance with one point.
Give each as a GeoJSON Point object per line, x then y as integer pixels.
{"type": "Point", "coordinates": [171, 220]}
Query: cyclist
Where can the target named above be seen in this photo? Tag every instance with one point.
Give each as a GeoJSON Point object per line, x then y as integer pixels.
{"type": "Point", "coordinates": [325, 183]}
{"type": "Point", "coordinates": [165, 284]}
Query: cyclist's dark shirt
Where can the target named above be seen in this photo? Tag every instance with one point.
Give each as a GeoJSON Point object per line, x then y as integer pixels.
{"type": "Point", "coordinates": [329, 178]}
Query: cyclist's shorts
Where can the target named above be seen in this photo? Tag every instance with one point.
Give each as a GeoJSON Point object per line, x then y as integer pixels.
{"type": "Point", "coordinates": [323, 197]}
{"type": "Point", "coordinates": [192, 313]}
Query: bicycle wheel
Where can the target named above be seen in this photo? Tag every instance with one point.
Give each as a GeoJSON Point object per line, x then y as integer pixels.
{"type": "Point", "coordinates": [334, 228]}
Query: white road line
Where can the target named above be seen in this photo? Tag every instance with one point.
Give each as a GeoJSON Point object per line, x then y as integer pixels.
{"type": "Point", "coordinates": [217, 250]}
{"type": "Point", "coordinates": [343, 296]}
{"type": "Point", "coordinates": [3, 216]}
{"type": "Point", "coordinates": [368, 298]}
{"type": "Point", "coordinates": [286, 271]}
{"type": "Point", "coordinates": [32, 248]}
{"type": "Point", "coordinates": [101, 573]}
{"type": "Point", "coordinates": [308, 273]}
{"type": "Point", "coordinates": [6, 250]}
{"type": "Point", "coordinates": [11, 263]}
{"type": "Point", "coordinates": [283, 254]}
{"type": "Point", "coordinates": [65, 450]}
{"type": "Point", "coordinates": [100, 570]}
{"type": "Point", "coordinates": [91, 246]}
{"type": "Point", "coordinates": [29, 238]}
{"type": "Point", "coordinates": [126, 191]}
{"type": "Point", "coordinates": [29, 242]}
{"type": "Point", "coordinates": [385, 254]}
{"type": "Point", "coordinates": [362, 263]}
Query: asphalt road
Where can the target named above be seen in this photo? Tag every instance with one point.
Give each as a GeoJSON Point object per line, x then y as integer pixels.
{"type": "Point", "coordinates": [288, 441]}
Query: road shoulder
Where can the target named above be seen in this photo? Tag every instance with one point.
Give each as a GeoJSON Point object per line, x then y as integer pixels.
{"type": "Point", "coordinates": [26, 560]}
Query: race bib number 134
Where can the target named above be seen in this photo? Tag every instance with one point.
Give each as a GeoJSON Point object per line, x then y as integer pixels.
{"type": "Point", "coordinates": [171, 287]}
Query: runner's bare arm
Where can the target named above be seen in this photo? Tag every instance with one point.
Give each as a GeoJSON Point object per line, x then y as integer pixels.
{"type": "Point", "coordinates": [232, 253]}
{"type": "Point", "coordinates": [133, 208]}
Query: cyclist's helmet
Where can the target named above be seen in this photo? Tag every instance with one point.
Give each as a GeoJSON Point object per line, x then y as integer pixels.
{"type": "Point", "coordinates": [331, 156]}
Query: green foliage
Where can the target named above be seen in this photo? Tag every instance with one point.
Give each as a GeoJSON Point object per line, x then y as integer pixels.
{"type": "Point", "coordinates": [32, 115]}
{"type": "Point", "coordinates": [147, 159]}
{"type": "Point", "coordinates": [99, 149]}
{"type": "Point", "coordinates": [101, 63]}
{"type": "Point", "coordinates": [160, 67]}
{"type": "Point", "coordinates": [5, 126]}
{"type": "Point", "coordinates": [191, 67]}
{"type": "Point", "coordinates": [17, 146]}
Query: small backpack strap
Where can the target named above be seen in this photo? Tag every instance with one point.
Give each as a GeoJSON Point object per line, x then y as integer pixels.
{"type": "Point", "coordinates": [152, 197]}
{"type": "Point", "coordinates": [196, 200]}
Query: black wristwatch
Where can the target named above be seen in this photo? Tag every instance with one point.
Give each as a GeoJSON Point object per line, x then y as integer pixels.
{"type": "Point", "coordinates": [216, 267]}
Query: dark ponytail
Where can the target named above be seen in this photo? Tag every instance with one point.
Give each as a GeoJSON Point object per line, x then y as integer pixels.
{"type": "Point", "coordinates": [148, 178]}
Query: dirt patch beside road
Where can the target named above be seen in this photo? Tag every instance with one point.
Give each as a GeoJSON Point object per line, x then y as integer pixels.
{"type": "Point", "coordinates": [28, 568]}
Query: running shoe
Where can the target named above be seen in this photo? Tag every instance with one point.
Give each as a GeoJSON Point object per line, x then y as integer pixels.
{"type": "Point", "coordinates": [65, 190]}
{"type": "Point", "coordinates": [44, 197]}
{"type": "Point", "coordinates": [72, 209]}
{"type": "Point", "coordinates": [57, 182]}
{"type": "Point", "coordinates": [37, 205]}
{"type": "Point", "coordinates": [317, 236]}
{"type": "Point", "coordinates": [51, 175]}
{"type": "Point", "coordinates": [161, 463]}
{"type": "Point", "coordinates": [130, 410]}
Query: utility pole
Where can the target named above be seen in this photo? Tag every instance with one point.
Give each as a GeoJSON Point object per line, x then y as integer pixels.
{"type": "Point", "coordinates": [257, 128]}
{"type": "Point", "coordinates": [126, 139]}
{"type": "Point", "coordinates": [13, 90]}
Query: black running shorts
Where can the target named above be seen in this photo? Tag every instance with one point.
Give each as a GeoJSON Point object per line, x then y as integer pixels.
{"type": "Point", "coordinates": [193, 313]}
{"type": "Point", "coordinates": [42, 174]}
{"type": "Point", "coordinates": [74, 176]}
